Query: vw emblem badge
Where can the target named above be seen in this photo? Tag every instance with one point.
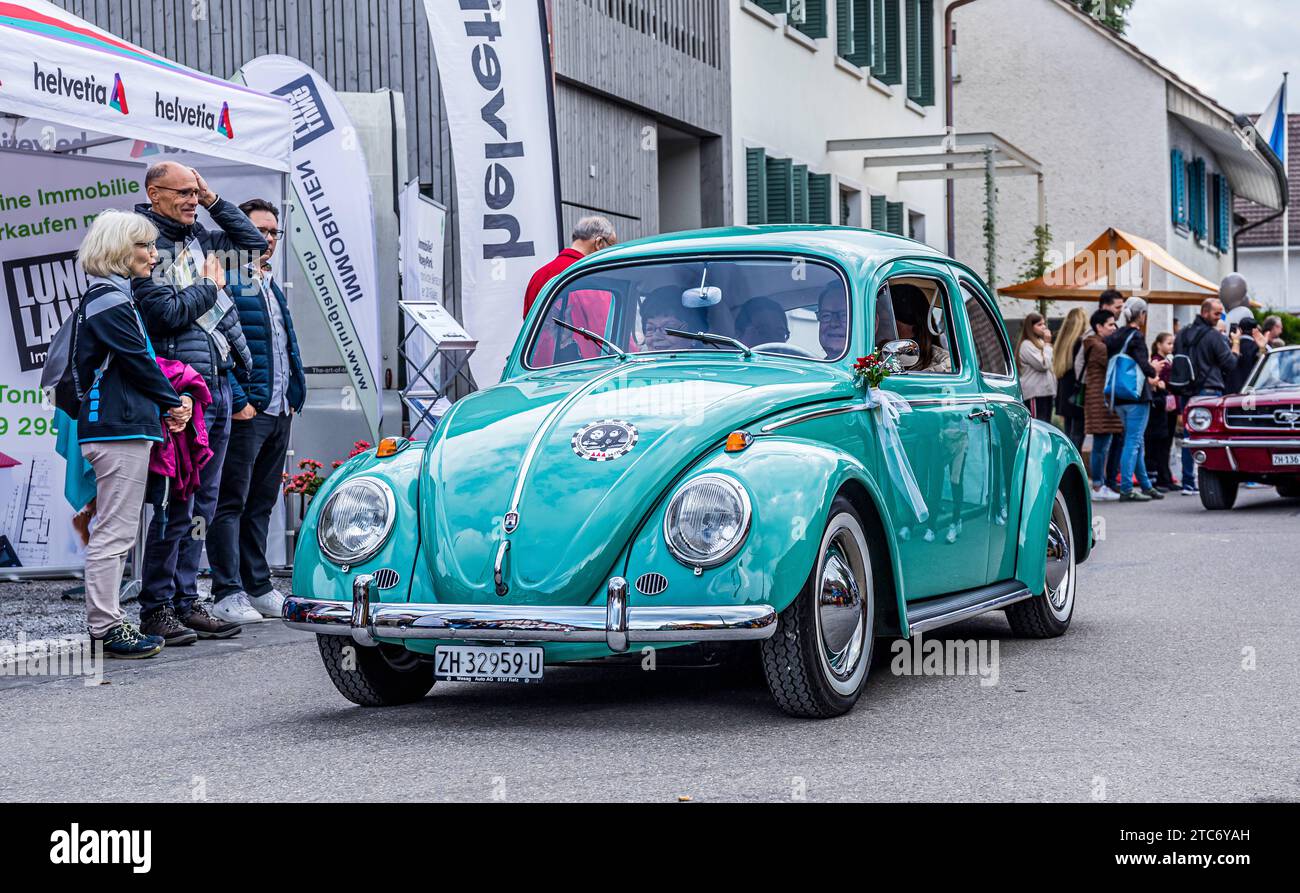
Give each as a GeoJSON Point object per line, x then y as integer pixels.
{"type": "Point", "coordinates": [511, 521]}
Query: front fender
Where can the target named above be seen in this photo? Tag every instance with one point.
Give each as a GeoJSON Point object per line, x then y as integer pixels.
{"type": "Point", "coordinates": [791, 482]}
{"type": "Point", "coordinates": [316, 576]}
{"type": "Point", "coordinates": [1052, 464]}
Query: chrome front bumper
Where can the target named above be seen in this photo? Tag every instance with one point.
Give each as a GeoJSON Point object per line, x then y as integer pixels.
{"type": "Point", "coordinates": [613, 623]}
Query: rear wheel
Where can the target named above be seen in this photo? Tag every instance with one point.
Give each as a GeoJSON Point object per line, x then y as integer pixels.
{"type": "Point", "coordinates": [1048, 615]}
{"type": "Point", "coordinates": [1218, 489]}
{"type": "Point", "coordinates": [817, 662]}
{"type": "Point", "coordinates": [382, 676]}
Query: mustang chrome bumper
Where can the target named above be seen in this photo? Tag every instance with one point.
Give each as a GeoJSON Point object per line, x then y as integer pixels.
{"type": "Point", "coordinates": [613, 623]}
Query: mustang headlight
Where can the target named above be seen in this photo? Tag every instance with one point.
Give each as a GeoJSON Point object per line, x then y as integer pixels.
{"type": "Point", "coordinates": [356, 520]}
{"type": "Point", "coordinates": [1199, 418]}
{"type": "Point", "coordinates": [707, 520]}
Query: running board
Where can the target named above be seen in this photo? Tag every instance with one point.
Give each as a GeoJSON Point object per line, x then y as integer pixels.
{"type": "Point", "coordinates": [946, 609]}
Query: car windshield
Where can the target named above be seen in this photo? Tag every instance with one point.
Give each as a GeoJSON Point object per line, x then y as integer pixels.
{"type": "Point", "coordinates": [1280, 369]}
{"type": "Point", "coordinates": [792, 306]}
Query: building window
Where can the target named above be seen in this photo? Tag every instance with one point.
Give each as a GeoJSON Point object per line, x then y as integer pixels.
{"type": "Point", "coordinates": [916, 226]}
{"type": "Point", "coordinates": [779, 191]}
{"type": "Point", "coordinates": [1178, 189]}
{"type": "Point", "coordinates": [887, 50]}
{"type": "Point", "coordinates": [850, 207]}
{"type": "Point", "coordinates": [853, 31]}
{"type": "Point", "coordinates": [809, 16]}
{"type": "Point", "coordinates": [920, 51]}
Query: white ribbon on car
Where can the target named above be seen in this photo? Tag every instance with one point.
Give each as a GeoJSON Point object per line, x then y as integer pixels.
{"type": "Point", "coordinates": [888, 408]}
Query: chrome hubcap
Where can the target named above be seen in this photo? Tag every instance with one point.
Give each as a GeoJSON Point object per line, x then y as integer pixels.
{"type": "Point", "coordinates": [841, 605]}
{"type": "Point", "coordinates": [1060, 564]}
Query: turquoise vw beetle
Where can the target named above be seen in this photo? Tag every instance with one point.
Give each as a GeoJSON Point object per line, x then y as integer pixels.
{"type": "Point", "coordinates": [680, 452]}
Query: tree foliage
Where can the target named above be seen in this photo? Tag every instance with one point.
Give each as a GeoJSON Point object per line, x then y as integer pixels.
{"type": "Point", "coordinates": [1111, 13]}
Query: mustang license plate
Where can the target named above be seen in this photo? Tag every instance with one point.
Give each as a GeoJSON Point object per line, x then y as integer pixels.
{"type": "Point", "coordinates": [1286, 458]}
{"type": "Point", "coordinates": [488, 663]}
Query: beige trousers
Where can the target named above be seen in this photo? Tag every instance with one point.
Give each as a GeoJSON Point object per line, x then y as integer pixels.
{"type": "Point", "coordinates": [121, 471]}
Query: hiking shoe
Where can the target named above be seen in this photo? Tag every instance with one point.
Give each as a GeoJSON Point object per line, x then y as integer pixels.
{"type": "Point", "coordinates": [125, 642]}
{"type": "Point", "coordinates": [269, 605]}
{"type": "Point", "coordinates": [236, 609]}
{"type": "Point", "coordinates": [207, 626]}
{"type": "Point", "coordinates": [1134, 496]}
{"type": "Point", "coordinates": [1154, 493]}
{"type": "Point", "coordinates": [165, 623]}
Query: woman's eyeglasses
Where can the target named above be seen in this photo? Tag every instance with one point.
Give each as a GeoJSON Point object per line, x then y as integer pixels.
{"type": "Point", "coordinates": [151, 246]}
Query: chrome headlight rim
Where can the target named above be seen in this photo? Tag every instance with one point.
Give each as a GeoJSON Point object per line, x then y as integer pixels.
{"type": "Point", "coordinates": [746, 518]}
{"type": "Point", "coordinates": [1204, 413]}
{"type": "Point", "coordinates": [390, 505]}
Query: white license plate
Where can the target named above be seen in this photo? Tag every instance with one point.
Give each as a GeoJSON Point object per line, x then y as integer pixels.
{"type": "Point", "coordinates": [1286, 458]}
{"type": "Point", "coordinates": [488, 663]}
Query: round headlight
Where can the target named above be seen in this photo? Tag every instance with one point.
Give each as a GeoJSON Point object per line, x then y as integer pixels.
{"type": "Point", "coordinates": [1199, 418]}
{"type": "Point", "coordinates": [707, 520]}
{"type": "Point", "coordinates": [356, 520]}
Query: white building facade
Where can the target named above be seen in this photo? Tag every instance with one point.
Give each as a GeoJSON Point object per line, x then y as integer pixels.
{"type": "Point", "coordinates": [1123, 142]}
{"type": "Point", "coordinates": [808, 71]}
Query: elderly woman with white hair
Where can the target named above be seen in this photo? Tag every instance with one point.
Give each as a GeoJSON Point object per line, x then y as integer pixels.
{"type": "Point", "coordinates": [124, 397]}
{"type": "Point", "coordinates": [1128, 338]}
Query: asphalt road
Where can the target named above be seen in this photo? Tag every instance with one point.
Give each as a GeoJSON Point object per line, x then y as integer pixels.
{"type": "Point", "coordinates": [1145, 698]}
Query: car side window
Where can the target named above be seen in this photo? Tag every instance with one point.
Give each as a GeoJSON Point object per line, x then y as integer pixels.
{"type": "Point", "coordinates": [917, 308]}
{"type": "Point", "coordinates": [987, 333]}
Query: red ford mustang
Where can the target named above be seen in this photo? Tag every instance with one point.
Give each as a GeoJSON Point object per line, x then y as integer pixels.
{"type": "Point", "coordinates": [1251, 436]}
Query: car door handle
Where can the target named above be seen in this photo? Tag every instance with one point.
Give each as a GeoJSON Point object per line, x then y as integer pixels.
{"type": "Point", "coordinates": [982, 415]}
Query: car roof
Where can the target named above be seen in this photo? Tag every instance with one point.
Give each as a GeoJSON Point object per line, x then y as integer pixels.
{"type": "Point", "coordinates": [853, 246]}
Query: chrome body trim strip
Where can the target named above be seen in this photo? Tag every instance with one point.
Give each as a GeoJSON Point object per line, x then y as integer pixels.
{"type": "Point", "coordinates": [958, 614]}
{"type": "Point", "coordinates": [814, 414]}
{"type": "Point", "coordinates": [1239, 442]}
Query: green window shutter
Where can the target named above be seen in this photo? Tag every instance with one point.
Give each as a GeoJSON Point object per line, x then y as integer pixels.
{"type": "Point", "coordinates": [755, 187]}
{"type": "Point", "coordinates": [844, 29]}
{"type": "Point", "coordinates": [814, 18]}
{"type": "Point", "coordinates": [799, 175]}
{"type": "Point", "coordinates": [773, 6]}
{"type": "Point", "coordinates": [1198, 197]}
{"type": "Point", "coordinates": [877, 37]}
{"type": "Point", "coordinates": [1177, 188]}
{"type": "Point", "coordinates": [925, 24]}
{"type": "Point", "coordinates": [894, 218]}
{"type": "Point", "coordinates": [1223, 219]}
{"type": "Point", "coordinates": [912, 44]}
{"type": "Point", "coordinates": [879, 219]}
{"type": "Point", "coordinates": [780, 190]}
{"type": "Point", "coordinates": [819, 198]}
{"type": "Point", "coordinates": [861, 25]}
{"type": "Point", "coordinates": [889, 60]}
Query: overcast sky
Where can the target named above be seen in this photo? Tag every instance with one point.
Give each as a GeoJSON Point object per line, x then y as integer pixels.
{"type": "Point", "coordinates": [1233, 50]}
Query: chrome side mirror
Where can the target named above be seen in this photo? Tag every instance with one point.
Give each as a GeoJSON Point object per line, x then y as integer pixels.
{"type": "Point", "coordinates": [904, 352]}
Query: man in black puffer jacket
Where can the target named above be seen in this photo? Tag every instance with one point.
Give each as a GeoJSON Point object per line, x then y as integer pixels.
{"type": "Point", "coordinates": [191, 319]}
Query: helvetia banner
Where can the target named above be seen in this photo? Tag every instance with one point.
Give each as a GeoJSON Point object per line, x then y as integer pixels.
{"type": "Point", "coordinates": [47, 203]}
{"type": "Point", "coordinates": [56, 66]}
{"type": "Point", "coordinates": [333, 219]}
{"type": "Point", "coordinates": [494, 63]}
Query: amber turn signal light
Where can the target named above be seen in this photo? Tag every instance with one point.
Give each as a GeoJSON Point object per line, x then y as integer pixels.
{"type": "Point", "coordinates": [738, 440]}
{"type": "Point", "coordinates": [390, 446]}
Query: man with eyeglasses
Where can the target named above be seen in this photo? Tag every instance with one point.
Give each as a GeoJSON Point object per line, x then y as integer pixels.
{"type": "Point", "coordinates": [259, 435]}
{"type": "Point", "coordinates": [191, 319]}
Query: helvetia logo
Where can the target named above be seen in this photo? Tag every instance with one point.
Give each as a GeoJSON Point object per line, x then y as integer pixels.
{"type": "Point", "coordinates": [118, 100]}
{"type": "Point", "coordinates": [223, 122]}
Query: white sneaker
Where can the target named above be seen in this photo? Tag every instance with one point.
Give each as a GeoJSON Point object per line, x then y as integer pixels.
{"type": "Point", "coordinates": [268, 605]}
{"type": "Point", "coordinates": [236, 609]}
{"type": "Point", "coordinates": [1105, 494]}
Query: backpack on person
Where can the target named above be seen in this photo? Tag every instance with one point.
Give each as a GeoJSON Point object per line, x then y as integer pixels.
{"type": "Point", "coordinates": [1124, 377]}
{"type": "Point", "coordinates": [1182, 369]}
{"type": "Point", "coordinates": [59, 379]}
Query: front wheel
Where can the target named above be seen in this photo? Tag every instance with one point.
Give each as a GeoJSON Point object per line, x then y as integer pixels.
{"type": "Point", "coordinates": [817, 662]}
{"type": "Point", "coordinates": [1218, 490]}
{"type": "Point", "coordinates": [1048, 615]}
{"type": "Point", "coordinates": [1289, 489]}
{"type": "Point", "coordinates": [380, 676]}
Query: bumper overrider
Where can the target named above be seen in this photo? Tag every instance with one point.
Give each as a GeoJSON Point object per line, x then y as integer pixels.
{"type": "Point", "coordinates": [614, 623]}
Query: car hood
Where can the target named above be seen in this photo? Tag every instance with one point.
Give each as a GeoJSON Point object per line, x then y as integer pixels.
{"type": "Point", "coordinates": [514, 445]}
{"type": "Point", "coordinates": [1269, 397]}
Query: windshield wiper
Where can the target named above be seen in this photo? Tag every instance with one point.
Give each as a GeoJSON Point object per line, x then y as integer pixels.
{"type": "Point", "coordinates": [712, 338]}
{"type": "Point", "coordinates": [592, 335]}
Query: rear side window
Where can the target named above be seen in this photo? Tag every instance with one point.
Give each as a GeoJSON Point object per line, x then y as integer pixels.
{"type": "Point", "coordinates": [988, 334]}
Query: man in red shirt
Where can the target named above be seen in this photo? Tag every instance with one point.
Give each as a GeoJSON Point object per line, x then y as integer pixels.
{"type": "Point", "coordinates": [589, 236]}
